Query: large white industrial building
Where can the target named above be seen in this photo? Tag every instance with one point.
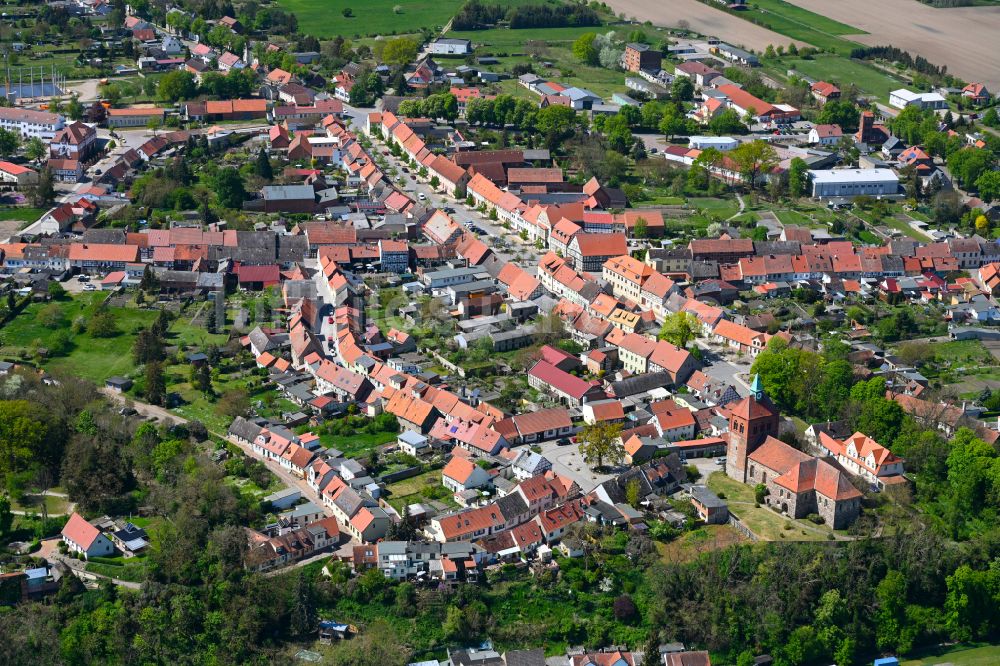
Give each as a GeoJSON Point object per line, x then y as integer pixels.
{"type": "Point", "coordinates": [854, 182]}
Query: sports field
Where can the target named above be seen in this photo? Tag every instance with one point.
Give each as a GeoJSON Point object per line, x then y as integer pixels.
{"type": "Point", "coordinates": [324, 18]}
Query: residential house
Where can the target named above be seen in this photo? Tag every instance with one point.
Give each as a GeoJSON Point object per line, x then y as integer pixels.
{"type": "Point", "coordinates": [83, 538]}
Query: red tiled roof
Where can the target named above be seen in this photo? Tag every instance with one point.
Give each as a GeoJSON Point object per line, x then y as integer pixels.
{"type": "Point", "coordinates": [80, 532]}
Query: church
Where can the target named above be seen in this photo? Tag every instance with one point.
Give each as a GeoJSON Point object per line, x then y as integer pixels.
{"type": "Point", "coordinates": [798, 484]}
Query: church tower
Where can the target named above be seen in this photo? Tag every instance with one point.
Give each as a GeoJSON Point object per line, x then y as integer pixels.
{"type": "Point", "coordinates": [753, 419]}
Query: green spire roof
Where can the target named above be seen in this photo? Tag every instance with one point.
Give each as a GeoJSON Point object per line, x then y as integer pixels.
{"type": "Point", "coordinates": [757, 387]}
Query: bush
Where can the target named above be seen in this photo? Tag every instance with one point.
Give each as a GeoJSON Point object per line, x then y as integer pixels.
{"type": "Point", "coordinates": [816, 518]}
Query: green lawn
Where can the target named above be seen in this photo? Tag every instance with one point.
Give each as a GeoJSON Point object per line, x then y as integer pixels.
{"type": "Point", "coordinates": [359, 443]}
{"type": "Point", "coordinates": [962, 351]}
{"type": "Point", "coordinates": [54, 505]}
{"type": "Point", "coordinates": [25, 214]}
{"type": "Point", "coordinates": [553, 45]}
{"type": "Point", "coordinates": [959, 656]}
{"type": "Point", "coordinates": [765, 523]}
{"type": "Point", "coordinates": [902, 227]}
{"type": "Point", "coordinates": [92, 358]}
{"type": "Point", "coordinates": [324, 18]}
{"type": "Point", "coordinates": [133, 570]}
{"type": "Point", "coordinates": [804, 16]}
{"type": "Point", "coordinates": [407, 491]}
{"type": "Point", "coordinates": [843, 71]}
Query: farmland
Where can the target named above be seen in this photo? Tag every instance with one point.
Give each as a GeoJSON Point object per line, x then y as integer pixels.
{"type": "Point", "coordinates": [704, 19]}
{"type": "Point", "coordinates": [958, 37]}
{"type": "Point", "coordinates": [804, 25]}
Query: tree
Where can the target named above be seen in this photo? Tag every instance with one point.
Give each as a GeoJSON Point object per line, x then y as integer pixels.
{"type": "Point", "coordinates": [988, 185]}
{"type": "Point", "coordinates": [156, 386]}
{"type": "Point", "coordinates": [23, 435]}
{"type": "Point", "coordinates": [148, 347]}
{"type": "Point", "coordinates": [262, 167]}
{"type": "Point", "coordinates": [682, 89]}
{"type": "Point", "coordinates": [624, 609]}
{"type": "Point", "coordinates": [754, 158]}
{"type": "Point", "coordinates": [233, 403]}
{"type": "Point", "coordinates": [102, 324]}
{"type": "Point", "coordinates": [968, 164]}
{"type": "Point", "coordinates": [56, 291]}
{"type": "Point", "coordinates": [6, 517]}
{"type": "Point", "coordinates": [149, 280]}
{"type": "Point", "coordinates": [679, 329]}
{"type": "Point", "coordinates": [347, 12]}
{"type": "Point", "coordinates": [203, 379]}
{"type": "Point", "coordinates": [556, 123]}
{"type": "Point", "coordinates": [52, 316]}
{"type": "Point", "coordinates": [10, 141]}
{"type": "Point", "coordinates": [177, 85]}
{"type": "Point", "coordinates": [229, 188]}
{"type": "Point", "coordinates": [727, 122]}
{"type": "Point", "coordinates": [990, 118]}
{"type": "Point", "coordinates": [399, 51]}
{"type": "Point", "coordinates": [632, 491]}
{"type": "Point", "coordinates": [841, 113]}
{"type": "Point", "coordinates": [43, 192]}
{"type": "Point", "coordinates": [600, 443]}
{"type": "Point", "coordinates": [585, 50]}
{"type": "Point", "coordinates": [35, 149]}
{"type": "Point", "coordinates": [798, 177]}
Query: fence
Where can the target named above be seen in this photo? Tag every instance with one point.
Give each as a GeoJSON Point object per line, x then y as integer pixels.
{"type": "Point", "coordinates": [742, 528]}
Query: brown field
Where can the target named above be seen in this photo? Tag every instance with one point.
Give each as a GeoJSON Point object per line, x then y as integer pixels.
{"type": "Point", "coordinates": [963, 38]}
{"type": "Point", "coordinates": [703, 19]}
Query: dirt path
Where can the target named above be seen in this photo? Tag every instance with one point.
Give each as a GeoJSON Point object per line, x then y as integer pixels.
{"type": "Point", "coordinates": [703, 19]}
{"type": "Point", "coordinates": [963, 38]}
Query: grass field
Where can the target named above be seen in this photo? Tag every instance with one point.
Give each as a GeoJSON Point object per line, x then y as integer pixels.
{"type": "Point", "coordinates": [553, 45]}
{"type": "Point", "coordinates": [92, 358]}
{"type": "Point", "coordinates": [764, 522]}
{"type": "Point", "coordinates": [691, 544]}
{"type": "Point", "coordinates": [88, 357]}
{"type": "Point", "coordinates": [324, 18]}
{"type": "Point", "coordinates": [844, 71]}
{"type": "Point", "coordinates": [407, 491]}
{"type": "Point", "coordinates": [959, 656]}
{"type": "Point", "coordinates": [21, 214]}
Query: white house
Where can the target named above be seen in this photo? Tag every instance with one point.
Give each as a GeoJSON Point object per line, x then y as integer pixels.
{"type": "Point", "coordinates": [903, 98]}
{"type": "Point", "coordinates": [82, 537]}
{"type": "Point", "coordinates": [412, 443]}
{"type": "Point", "coordinates": [825, 135]}
{"type": "Point", "coordinates": [450, 46]}
{"type": "Point", "coordinates": [718, 142]}
{"type": "Point", "coordinates": [30, 123]}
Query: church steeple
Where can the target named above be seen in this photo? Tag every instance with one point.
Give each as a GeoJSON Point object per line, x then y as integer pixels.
{"type": "Point", "coordinates": [757, 388]}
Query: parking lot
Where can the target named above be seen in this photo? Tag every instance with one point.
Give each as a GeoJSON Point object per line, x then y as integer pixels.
{"type": "Point", "coordinates": [80, 283]}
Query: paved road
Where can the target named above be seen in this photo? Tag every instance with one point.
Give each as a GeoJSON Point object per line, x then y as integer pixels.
{"type": "Point", "coordinates": [510, 246]}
